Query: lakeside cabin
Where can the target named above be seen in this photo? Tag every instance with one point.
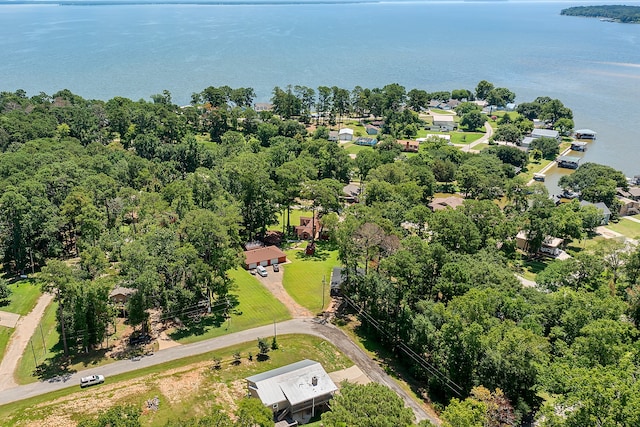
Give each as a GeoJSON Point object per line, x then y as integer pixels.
{"type": "Point", "coordinates": [568, 162]}
{"type": "Point", "coordinates": [585, 134]}
{"type": "Point", "coordinates": [579, 146]}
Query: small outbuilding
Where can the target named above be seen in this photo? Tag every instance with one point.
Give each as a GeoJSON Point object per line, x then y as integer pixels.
{"type": "Point", "coordinates": [367, 142]}
{"type": "Point", "coordinates": [267, 255]}
{"type": "Point", "coordinates": [408, 145]}
{"type": "Point", "coordinates": [295, 391]}
{"type": "Point", "coordinates": [345, 134]}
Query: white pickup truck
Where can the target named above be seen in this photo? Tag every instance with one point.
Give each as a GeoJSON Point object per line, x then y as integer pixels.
{"type": "Point", "coordinates": [91, 380]}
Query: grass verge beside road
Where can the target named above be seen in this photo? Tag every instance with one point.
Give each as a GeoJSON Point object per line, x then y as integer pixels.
{"type": "Point", "coordinates": [185, 387]}
{"type": "Point", "coordinates": [304, 275]}
{"type": "Point", "coordinates": [36, 351]}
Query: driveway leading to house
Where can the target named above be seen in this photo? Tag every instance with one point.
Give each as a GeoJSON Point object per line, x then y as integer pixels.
{"type": "Point", "coordinates": [273, 282]}
{"type": "Point", "coordinates": [23, 332]}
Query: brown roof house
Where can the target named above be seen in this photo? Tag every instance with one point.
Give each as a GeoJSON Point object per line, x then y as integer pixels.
{"type": "Point", "coordinates": [121, 294]}
{"type": "Point", "coordinates": [409, 145]}
{"type": "Point", "coordinates": [440, 203]}
{"type": "Point", "coordinates": [267, 255]}
{"type": "Point", "coordinates": [307, 227]}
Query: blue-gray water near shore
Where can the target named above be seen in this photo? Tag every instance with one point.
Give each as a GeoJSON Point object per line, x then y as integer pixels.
{"type": "Point", "coordinates": [135, 49]}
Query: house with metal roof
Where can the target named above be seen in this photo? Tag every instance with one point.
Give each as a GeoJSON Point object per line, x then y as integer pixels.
{"type": "Point", "coordinates": [295, 391]}
{"type": "Point", "coordinates": [545, 133]}
{"type": "Point", "coordinates": [603, 208]}
{"type": "Point", "coordinates": [345, 134]}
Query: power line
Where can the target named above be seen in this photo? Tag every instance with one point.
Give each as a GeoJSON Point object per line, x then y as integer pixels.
{"type": "Point", "coordinates": [420, 360]}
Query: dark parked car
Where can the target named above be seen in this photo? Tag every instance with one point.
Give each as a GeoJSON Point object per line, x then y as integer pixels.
{"type": "Point", "coordinates": [276, 267]}
{"type": "Point", "coordinates": [138, 338]}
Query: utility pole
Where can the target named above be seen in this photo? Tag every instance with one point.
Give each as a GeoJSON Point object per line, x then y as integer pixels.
{"type": "Point", "coordinates": [44, 346]}
{"type": "Point", "coordinates": [323, 282]}
{"type": "Point", "coordinates": [34, 354]}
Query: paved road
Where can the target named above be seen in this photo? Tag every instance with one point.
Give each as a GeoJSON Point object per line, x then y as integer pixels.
{"type": "Point", "coordinates": [484, 138]}
{"type": "Point", "coordinates": [25, 327]}
{"type": "Point", "coordinates": [295, 326]}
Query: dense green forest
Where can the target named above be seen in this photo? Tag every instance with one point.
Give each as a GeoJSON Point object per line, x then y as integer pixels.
{"type": "Point", "coordinates": [160, 198]}
{"type": "Point", "coordinates": [619, 13]}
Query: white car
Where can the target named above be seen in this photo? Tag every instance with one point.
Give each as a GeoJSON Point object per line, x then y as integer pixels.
{"type": "Point", "coordinates": [91, 380]}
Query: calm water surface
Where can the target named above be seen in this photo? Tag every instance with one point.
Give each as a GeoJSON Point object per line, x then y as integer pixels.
{"type": "Point", "coordinates": [102, 51]}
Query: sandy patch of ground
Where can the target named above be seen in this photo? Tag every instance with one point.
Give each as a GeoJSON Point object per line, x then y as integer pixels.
{"type": "Point", "coordinates": [8, 319]}
{"type": "Point", "coordinates": [174, 386]}
{"type": "Point", "coordinates": [353, 375]}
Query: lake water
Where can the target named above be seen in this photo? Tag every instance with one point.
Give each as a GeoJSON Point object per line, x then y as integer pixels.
{"type": "Point", "coordinates": [137, 50]}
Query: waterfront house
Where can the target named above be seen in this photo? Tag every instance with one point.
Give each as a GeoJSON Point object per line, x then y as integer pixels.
{"type": "Point", "coordinates": [545, 133]}
{"type": "Point", "coordinates": [262, 106]}
{"type": "Point", "coordinates": [606, 213]}
{"type": "Point", "coordinates": [296, 391]}
{"type": "Point", "coordinates": [345, 134]}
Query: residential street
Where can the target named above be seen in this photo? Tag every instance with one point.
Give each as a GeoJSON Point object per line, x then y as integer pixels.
{"type": "Point", "coordinates": [294, 326]}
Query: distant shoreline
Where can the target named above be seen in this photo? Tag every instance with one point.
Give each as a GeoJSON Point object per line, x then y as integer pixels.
{"type": "Point", "coordinates": [606, 13]}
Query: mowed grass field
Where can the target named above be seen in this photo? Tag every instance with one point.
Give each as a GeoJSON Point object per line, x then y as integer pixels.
{"type": "Point", "coordinates": [24, 296]}
{"type": "Point", "coordinates": [626, 227]}
{"type": "Point", "coordinates": [294, 219]}
{"type": "Point", "coordinates": [256, 307]}
{"type": "Point", "coordinates": [185, 387]}
{"type": "Point", "coordinates": [303, 277]}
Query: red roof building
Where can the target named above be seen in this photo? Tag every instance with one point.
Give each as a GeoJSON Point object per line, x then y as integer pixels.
{"type": "Point", "coordinates": [268, 255]}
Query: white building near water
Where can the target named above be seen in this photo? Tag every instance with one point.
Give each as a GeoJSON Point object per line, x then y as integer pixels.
{"type": "Point", "coordinates": [294, 391]}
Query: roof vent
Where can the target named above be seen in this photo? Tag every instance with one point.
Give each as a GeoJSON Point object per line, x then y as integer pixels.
{"type": "Point", "coordinates": [314, 381]}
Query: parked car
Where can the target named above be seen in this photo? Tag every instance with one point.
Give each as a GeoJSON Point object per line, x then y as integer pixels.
{"type": "Point", "coordinates": [262, 271]}
{"type": "Point", "coordinates": [276, 267]}
{"type": "Point", "coordinates": [91, 380]}
{"type": "Point", "coordinates": [252, 271]}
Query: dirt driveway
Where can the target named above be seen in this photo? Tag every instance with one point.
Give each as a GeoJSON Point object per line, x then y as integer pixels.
{"type": "Point", "coordinates": [273, 282]}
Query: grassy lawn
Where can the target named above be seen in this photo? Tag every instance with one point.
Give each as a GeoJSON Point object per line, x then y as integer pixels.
{"type": "Point", "coordinates": [352, 148]}
{"type": "Point", "coordinates": [577, 246]}
{"type": "Point", "coordinates": [5, 334]}
{"type": "Point", "coordinates": [626, 227]}
{"type": "Point", "coordinates": [257, 307]}
{"type": "Point", "coordinates": [24, 296]}
{"type": "Point", "coordinates": [294, 219]}
{"type": "Point", "coordinates": [26, 368]}
{"type": "Point", "coordinates": [529, 269]}
{"type": "Point", "coordinates": [480, 147]}
{"type": "Point", "coordinates": [185, 387]}
{"type": "Point", "coordinates": [304, 275]}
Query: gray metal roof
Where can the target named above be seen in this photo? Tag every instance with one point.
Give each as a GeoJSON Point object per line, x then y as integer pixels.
{"type": "Point", "coordinates": [571, 159]}
{"type": "Point", "coordinates": [549, 133]}
{"type": "Point", "coordinates": [293, 383]}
